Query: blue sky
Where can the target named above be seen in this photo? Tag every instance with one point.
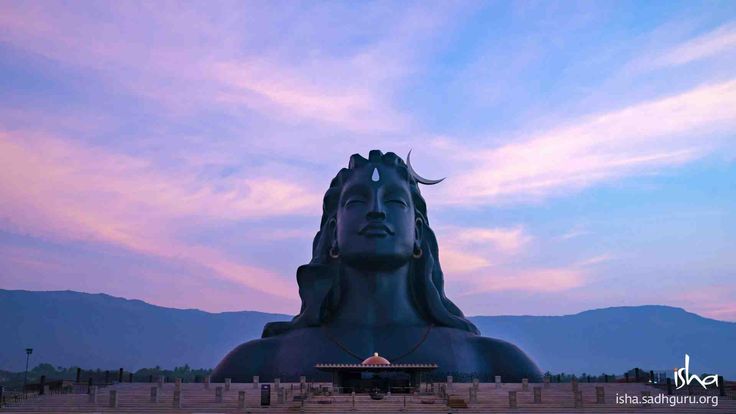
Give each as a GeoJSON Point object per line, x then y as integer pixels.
{"type": "Point", "coordinates": [177, 152]}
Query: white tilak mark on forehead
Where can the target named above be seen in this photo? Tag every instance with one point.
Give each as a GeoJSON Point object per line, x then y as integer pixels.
{"type": "Point", "coordinates": [375, 177]}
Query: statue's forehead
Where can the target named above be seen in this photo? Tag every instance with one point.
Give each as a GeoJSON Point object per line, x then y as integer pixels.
{"type": "Point", "coordinates": [375, 175]}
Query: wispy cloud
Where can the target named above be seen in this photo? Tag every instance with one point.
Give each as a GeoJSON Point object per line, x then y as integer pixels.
{"type": "Point", "coordinates": [338, 93]}
{"type": "Point", "coordinates": [187, 70]}
{"type": "Point", "coordinates": [642, 138]}
{"type": "Point", "coordinates": [595, 260]}
{"type": "Point", "coordinates": [456, 261]}
{"type": "Point", "coordinates": [529, 280]}
{"type": "Point", "coordinates": [715, 301]}
{"type": "Point", "coordinates": [526, 278]}
{"type": "Point", "coordinates": [486, 260]}
{"type": "Point", "coordinates": [719, 41]}
{"type": "Point", "coordinates": [507, 240]}
{"type": "Point", "coordinates": [481, 259]}
{"type": "Point", "coordinates": [576, 231]}
{"type": "Point", "coordinates": [55, 189]}
{"type": "Point", "coordinates": [469, 249]}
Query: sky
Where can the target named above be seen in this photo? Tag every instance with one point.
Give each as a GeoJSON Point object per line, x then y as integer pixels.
{"type": "Point", "coordinates": [178, 152]}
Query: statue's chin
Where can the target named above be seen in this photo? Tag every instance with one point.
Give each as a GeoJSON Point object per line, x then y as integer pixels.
{"type": "Point", "coordinates": [375, 262]}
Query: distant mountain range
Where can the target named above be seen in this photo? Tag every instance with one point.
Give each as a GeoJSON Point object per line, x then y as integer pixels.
{"type": "Point", "coordinates": [67, 328]}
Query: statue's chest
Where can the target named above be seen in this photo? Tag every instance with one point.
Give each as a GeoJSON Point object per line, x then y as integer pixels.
{"type": "Point", "coordinates": [449, 348]}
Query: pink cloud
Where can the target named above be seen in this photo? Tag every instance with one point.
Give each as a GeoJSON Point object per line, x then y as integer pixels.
{"type": "Point", "coordinates": [29, 259]}
{"type": "Point", "coordinates": [340, 93]}
{"type": "Point", "coordinates": [469, 249]}
{"type": "Point", "coordinates": [55, 189]}
{"type": "Point", "coordinates": [456, 261]}
{"type": "Point", "coordinates": [508, 240]}
{"type": "Point", "coordinates": [576, 231]}
{"type": "Point", "coordinates": [717, 42]}
{"type": "Point", "coordinates": [544, 280]}
{"type": "Point", "coordinates": [175, 283]}
{"type": "Point", "coordinates": [595, 260]}
{"type": "Point", "coordinates": [481, 260]}
{"type": "Point", "coordinates": [639, 139]}
{"type": "Point", "coordinates": [714, 301]}
{"type": "Point", "coordinates": [188, 60]}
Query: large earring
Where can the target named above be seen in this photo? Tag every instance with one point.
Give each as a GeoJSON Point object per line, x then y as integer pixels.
{"type": "Point", "coordinates": [334, 253]}
{"type": "Point", "coordinates": [417, 248]}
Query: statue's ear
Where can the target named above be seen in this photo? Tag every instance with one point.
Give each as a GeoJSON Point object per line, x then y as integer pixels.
{"type": "Point", "coordinates": [418, 229]}
{"type": "Point", "coordinates": [332, 227]}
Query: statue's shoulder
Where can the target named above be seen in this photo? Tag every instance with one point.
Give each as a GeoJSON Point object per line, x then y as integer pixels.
{"type": "Point", "coordinates": [495, 345]}
{"type": "Point", "coordinates": [262, 346]}
{"type": "Point", "coordinates": [270, 347]}
{"type": "Point", "coordinates": [507, 359]}
{"type": "Point", "coordinates": [286, 354]}
{"type": "Point", "coordinates": [247, 360]}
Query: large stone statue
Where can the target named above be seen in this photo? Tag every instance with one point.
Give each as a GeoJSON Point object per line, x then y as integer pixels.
{"type": "Point", "coordinates": [374, 284]}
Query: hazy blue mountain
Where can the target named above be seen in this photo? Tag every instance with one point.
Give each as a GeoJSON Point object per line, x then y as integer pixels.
{"type": "Point", "coordinates": [100, 331]}
{"type": "Point", "coordinates": [615, 339]}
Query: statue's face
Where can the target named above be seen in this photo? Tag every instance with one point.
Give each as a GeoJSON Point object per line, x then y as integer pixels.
{"type": "Point", "coordinates": [375, 225]}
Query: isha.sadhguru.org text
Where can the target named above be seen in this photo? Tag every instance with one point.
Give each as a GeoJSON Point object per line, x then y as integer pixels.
{"type": "Point", "coordinates": [671, 400]}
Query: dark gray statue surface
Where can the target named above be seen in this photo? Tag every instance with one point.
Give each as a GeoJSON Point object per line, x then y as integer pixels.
{"type": "Point", "coordinates": [374, 284]}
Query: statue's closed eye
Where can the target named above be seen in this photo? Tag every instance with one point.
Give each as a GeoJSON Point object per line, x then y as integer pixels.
{"type": "Point", "coordinates": [354, 201]}
{"type": "Point", "coordinates": [397, 201]}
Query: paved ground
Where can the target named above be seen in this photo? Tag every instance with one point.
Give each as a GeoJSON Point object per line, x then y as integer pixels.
{"type": "Point", "coordinates": [195, 398]}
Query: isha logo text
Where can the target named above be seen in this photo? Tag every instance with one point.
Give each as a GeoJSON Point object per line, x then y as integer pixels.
{"type": "Point", "coordinates": [683, 377]}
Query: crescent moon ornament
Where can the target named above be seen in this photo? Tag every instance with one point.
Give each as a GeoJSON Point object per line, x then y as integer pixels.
{"type": "Point", "coordinates": [418, 177]}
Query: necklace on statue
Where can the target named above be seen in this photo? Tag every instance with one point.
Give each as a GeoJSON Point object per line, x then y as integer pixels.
{"type": "Point", "coordinates": [360, 358]}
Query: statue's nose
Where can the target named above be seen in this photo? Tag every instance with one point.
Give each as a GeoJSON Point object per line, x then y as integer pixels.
{"type": "Point", "coordinates": [376, 212]}
{"type": "Point", "coordinates": [376, 215]}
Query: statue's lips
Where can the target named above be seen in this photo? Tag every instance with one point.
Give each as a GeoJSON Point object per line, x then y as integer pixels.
{"type": "Point", "coordinates": [376, 230]}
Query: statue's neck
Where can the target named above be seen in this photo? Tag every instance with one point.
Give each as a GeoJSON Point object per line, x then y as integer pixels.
{"type": "Point", "coordinates": [376, 298]}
